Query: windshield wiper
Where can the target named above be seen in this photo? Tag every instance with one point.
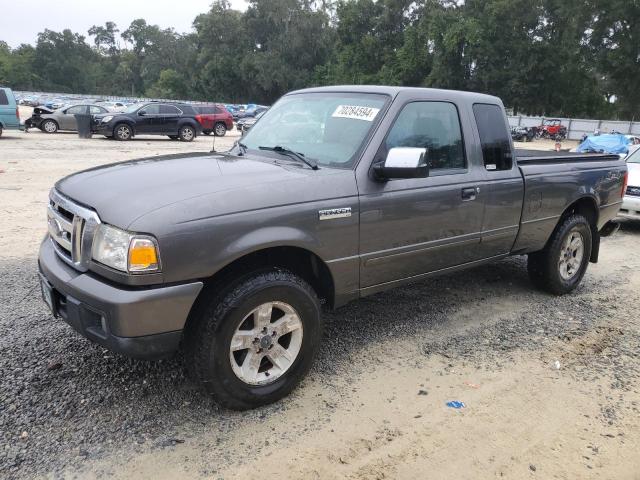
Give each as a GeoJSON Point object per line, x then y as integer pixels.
{"type": "Point", "coordinates": [290, 153]}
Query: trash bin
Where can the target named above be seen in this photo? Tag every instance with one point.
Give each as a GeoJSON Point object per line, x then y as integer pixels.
{"type": "Point", "coordinates": [84, 125]}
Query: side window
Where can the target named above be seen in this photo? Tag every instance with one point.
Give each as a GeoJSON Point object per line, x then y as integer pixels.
{"type": "Point", "coordinates": [434, 126]}
{"type": "Point", "coordinates": [77, 110]}
{"type": "Point", "coordinates": [494, 136]}
{"type": "Point", "coordinates": [151, 109]}
{"type": "Point", "coordinates": [93, 109]}
{"type": "Point", "coordinates": [169, 110]}
{"type": "Point", "coordinates": [4, 100]}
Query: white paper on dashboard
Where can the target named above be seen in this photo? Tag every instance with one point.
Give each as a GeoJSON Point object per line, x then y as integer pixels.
{"type": "Point", "coordinates": [356, 112]}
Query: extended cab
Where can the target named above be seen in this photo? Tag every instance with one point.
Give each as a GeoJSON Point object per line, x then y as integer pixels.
{"type": "Point", "coordinates": [230, 255]}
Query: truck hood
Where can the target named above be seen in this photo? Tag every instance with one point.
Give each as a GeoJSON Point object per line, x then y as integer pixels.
{"type": "Point", "coordinates": [197, 185]}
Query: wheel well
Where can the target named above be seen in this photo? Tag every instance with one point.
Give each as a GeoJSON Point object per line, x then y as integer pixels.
{"type": "Point", "coordinates": [128, 124]}
{"type": "Point", "coordinates": [587, 207]}
{"type": "Point", "coordinates": [584, 206]}
{"type": "Point", "coordinates": [297, 260]}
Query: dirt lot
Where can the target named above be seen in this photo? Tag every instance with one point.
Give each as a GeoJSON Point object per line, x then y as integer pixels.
{"type": "Point", "coordinates": [551, 386]}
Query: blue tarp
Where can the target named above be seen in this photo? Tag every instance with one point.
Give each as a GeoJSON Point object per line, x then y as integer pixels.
{"type": "Point", "coordinates": [610, 143]}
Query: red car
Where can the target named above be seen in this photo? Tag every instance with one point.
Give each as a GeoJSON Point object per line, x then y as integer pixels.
{"type": "Point", "coordinates": [214, 118]}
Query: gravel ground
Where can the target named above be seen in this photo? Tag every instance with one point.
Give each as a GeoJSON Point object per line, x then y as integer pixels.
{"type": "Point", "coordinates": [71, 409]}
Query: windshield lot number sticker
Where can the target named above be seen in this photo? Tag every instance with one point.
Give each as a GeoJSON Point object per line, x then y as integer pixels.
{"type": "Point", "coordinates": [356, 112]}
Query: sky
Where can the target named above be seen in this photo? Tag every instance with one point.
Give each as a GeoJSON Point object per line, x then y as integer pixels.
{"type": "Point", "coordinates": [22, 20]}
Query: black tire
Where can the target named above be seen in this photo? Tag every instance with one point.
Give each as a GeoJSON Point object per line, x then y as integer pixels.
{"type": "Point", "coordinates": [545, 270]}
{"type": "Point", "coordinates": [187, 133]}
{"type": "Point", "coordinates": [220, 129]}
{"type": "Point", "coordinates": [122, 132]}
{"type": "Point", "coordinates": [0, 131]}
{"type": "Point", "coordinates": [215, 320]}
{"type": "Point", "coordinates": [49, 126]}
{"type": "Point", "coordinates": [207, 132]}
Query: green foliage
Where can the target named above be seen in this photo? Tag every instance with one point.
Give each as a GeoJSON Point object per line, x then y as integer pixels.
{"type": "Point", "coordinates": [552, 57]}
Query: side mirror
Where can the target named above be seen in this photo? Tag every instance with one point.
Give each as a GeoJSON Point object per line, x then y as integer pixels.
{"type": "Point", "coordinates": [403, 162]}
{"type": "Point", "coordinates": [142, 113]}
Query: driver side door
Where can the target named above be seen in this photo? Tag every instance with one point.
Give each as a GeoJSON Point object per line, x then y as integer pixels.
{"type": "Point", "coordinates": [414, 226]}
{"type": "Point", "coordinates": [68, 120]}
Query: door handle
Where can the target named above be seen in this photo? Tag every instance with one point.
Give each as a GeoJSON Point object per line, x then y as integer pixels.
{"type": "Point", "coordinates": [469, 193]}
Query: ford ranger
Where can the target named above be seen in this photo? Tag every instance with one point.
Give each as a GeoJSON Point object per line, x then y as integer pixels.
{"type": "Point", "coordinates": [336, 193]}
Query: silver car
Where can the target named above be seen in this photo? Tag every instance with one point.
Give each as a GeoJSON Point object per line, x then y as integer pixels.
{"type": "Point", "coordinates": [63, 118]}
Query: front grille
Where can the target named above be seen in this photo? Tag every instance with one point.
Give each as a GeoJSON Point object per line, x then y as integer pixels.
{"type": "Point", "coordinates": [71, 228]}
{"type": "Point", "coordinates": [633, 191]}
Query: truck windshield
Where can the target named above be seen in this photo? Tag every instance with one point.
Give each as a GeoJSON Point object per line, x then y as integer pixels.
{"type": "Point", "coordinates": [328, 128]}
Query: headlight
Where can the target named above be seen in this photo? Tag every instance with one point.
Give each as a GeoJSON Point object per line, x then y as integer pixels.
{"type": "Point", "coordinates": [125, 251]}
{"type": "Point", "coordinates": [107, 119]}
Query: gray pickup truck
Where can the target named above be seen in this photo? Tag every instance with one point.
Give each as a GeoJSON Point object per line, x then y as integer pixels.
{"type": "Point", "coordinates": [334, 194]}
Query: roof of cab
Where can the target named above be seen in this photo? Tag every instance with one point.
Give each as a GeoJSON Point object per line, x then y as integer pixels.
{"type": "Point", "coordinates": [393, 91]}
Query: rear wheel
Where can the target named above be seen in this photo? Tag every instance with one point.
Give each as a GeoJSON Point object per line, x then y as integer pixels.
{"type": "Point", "coordinates": [122, 132]}
{"type": "Point", "coordinates": [559, 268]}
{"type": "Point", "coordinates": [49, 126]}
{"type": "Point", "coordinates": [187, 133]}
{"type": "Point", "coordinates": [252, 344]}
{"type": "Point", "coordinates": [220, 129]}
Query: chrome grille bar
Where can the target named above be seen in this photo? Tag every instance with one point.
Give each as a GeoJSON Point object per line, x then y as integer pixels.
{"type": "Point", "coordinates": [72, 240]}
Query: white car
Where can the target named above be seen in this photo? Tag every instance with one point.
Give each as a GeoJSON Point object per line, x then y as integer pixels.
{"type": "Point", "coordinates": [631, 201]}
{"type": "Point", "coordinates": [113, 106]}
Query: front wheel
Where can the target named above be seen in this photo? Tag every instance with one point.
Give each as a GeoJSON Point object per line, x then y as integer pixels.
{"type": "Point", "coordinates": [187, 133]}
{"type": "Point", "coordinates": [122, 132]}
{"type": "Point", "coordinates": [254, 342]}
{"type": "Point", "coordinates": [559, 268]}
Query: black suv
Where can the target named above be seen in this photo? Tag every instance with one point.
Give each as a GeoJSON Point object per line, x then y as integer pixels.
{"type": "Point", "coordinates": [176, 120]}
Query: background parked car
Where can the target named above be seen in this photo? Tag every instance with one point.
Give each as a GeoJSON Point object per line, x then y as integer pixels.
{"type": "Point", "coordinates": [9, 114]}
{"type": "Point", "coordinates": [631, 201]}
{"type": "Point", "coordinates": [62, 119]}
{"type": "Point", "coordinates": [214, 118]}
{"type": "Point", "coordinates": [252, 111]}
{"type": "Point", "coordinates": [175, 120]}
{"type": "Point", "coordinates": [112, 106]}
{"type": "Point", "coordinates": [246, 123]}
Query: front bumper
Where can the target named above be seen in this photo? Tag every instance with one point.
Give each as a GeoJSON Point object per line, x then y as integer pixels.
{"type": "Point", "coordinates": [137, 322]}
{"type": "Point", "coordinates": [102, 128]}
{"type": "Point", "coordinates": [630, 207]}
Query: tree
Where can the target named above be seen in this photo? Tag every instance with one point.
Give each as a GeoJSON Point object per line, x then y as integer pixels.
{"type": "Point", "coordinates": [105, 38]}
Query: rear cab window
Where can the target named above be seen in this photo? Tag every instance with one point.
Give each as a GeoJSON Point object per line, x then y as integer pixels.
{"type": "Point", "coordinates": [495, 138]}
{"type": "Point", "coordinates": [4, 99]}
